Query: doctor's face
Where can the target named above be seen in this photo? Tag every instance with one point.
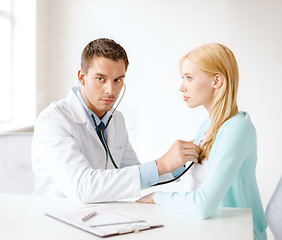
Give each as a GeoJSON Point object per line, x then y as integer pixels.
{"type": "Point", "coordinates": [101, 85]}
{"type": "Point", "coordinates": [197, 86]}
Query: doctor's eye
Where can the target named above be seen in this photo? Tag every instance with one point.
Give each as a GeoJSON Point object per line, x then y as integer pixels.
{"type": "Point", "coordinates": [118, 80]}
{"type": "Point", "coordinates": [101, 79]}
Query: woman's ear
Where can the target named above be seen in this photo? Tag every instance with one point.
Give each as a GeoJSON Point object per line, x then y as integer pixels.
{"type": "Point", "coordinates": [218, 81]}
{"type": "Point", "coordinates": [81, 76]}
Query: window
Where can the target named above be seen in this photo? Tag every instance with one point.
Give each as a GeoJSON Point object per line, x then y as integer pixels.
{"type": "Point", "coordinates": [17, 64]}
{"type": "Point", "coordinates": [6, 23]}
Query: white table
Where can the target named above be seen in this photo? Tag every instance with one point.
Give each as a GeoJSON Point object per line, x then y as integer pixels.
{"type": "Point", "coordinates": [22, 217]}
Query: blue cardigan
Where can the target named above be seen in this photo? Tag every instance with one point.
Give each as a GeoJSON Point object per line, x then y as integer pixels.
{"type": "Point", "coordinates": [230, 179]}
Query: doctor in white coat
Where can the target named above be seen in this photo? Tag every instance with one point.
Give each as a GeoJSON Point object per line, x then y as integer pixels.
{"type": "Point", "coordinates": [68, 156]}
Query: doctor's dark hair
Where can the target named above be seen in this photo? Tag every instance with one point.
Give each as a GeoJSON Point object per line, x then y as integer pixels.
{"type": "Point", "coordinates": [102, 47]}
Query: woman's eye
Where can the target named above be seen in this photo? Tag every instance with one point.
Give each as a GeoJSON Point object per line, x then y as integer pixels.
{"type": "Point", "coordinates": [101, 79]}
{"type": "Point", "coordinates": [187, 78]}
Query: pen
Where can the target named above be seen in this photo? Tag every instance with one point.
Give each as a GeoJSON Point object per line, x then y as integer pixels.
{"type": "Point", "coordinates": [87, 217]}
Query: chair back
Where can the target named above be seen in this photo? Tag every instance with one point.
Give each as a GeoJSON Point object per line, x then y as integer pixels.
{"type": "Point", "coordinates": [16, 174]}
{"type": "Point", "coordinates": [273, 212]}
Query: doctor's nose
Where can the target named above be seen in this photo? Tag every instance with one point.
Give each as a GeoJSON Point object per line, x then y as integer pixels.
{"type": "Point", "coordinates": [109, 88]}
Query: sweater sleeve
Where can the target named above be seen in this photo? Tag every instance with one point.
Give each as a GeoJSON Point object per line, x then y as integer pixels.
{"type": "Point", "coordinates": [227, 155]}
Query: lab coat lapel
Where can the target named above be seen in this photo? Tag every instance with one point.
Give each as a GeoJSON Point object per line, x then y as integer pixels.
{"type": "Point", "coordinates": [79, 114]}
{"type": "Point", "coordinates": [93, 132]}
{"type": "Point", "coordinates": [112, 142]}
{"type": "Point", "coordinates": [111, 132]}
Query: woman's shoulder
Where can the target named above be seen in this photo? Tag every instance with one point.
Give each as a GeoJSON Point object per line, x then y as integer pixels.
{"type": "Point", "coordinates": [241, 120]}
{"type": "Point", "coordinates": [239, 125]}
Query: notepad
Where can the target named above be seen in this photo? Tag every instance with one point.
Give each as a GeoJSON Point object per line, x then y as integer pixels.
{"type": "Point", "coordinates": [106, 221]}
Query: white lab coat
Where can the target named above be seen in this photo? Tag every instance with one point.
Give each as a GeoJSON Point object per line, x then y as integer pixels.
{"type": "Point", "coordinates": [68, 157]}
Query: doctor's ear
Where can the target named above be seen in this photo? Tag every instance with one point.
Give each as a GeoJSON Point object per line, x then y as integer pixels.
{"type": "Point", "coordinates": [81, 76]}
{"type": "Point", "coordinates": [218, 81]}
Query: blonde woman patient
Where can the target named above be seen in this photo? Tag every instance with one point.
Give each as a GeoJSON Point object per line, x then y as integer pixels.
{"type": "Point", "coordinates": [226, 173]}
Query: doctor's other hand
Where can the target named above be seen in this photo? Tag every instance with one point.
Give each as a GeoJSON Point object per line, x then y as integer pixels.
{"type": "Point", "coordinates": [147, 198]}
{"type": "Point", "coordinates": [178, 154]}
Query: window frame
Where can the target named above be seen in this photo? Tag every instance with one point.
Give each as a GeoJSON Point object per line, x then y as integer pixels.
{"type": "Point", "coordinates": [23, 66]}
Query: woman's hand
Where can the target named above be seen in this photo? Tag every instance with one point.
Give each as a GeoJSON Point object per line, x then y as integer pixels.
{"type": "Point", "coordinates": [147, 199]}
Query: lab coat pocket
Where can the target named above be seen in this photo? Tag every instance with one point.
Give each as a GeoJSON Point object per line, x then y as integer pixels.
{"type": "Point", "coordinates": [117, 154]}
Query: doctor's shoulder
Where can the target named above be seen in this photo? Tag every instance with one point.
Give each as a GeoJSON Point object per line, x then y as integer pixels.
{"type": "Point", "coordinates": [57, 114]}
{"type": "Point", "coordinates": [118, 119]}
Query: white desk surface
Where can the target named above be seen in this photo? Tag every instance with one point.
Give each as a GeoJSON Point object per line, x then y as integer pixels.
{"type": "Point", "coordinates": [22, 217]}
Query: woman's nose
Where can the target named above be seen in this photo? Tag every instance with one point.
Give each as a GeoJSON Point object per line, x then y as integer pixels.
{"type": "Point", "coordinates": [182, 88]}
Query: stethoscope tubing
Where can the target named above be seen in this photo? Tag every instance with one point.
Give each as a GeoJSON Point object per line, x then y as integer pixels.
{"type": "Point", "coordinates": [174, 179]}
{"type": "Point", "coordinates": [108, 150]}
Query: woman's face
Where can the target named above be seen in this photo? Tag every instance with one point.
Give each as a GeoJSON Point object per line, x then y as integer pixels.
{"type": "Point", "coordinates": [197, 87]}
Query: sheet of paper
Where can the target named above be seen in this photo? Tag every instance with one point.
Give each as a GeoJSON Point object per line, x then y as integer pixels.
{"type": "Point", "coordinates": [106, 221]}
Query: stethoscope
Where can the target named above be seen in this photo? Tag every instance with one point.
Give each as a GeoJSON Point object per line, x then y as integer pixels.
{"type": "Point", "coordinates": [108, 152]}
{"type": "Point", "coordinates": [104, 142]}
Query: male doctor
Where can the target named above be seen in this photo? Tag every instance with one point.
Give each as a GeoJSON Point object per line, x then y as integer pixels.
{"type": "Point", "coordinates": [68, 152]}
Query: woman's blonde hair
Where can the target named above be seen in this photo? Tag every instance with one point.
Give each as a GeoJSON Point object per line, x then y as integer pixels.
{"type": "Point", "coordinates": [216, 59]}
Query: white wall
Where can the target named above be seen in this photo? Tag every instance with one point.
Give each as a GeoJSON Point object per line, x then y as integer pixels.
{"type": "Point", "coordinates": [155, 35]}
